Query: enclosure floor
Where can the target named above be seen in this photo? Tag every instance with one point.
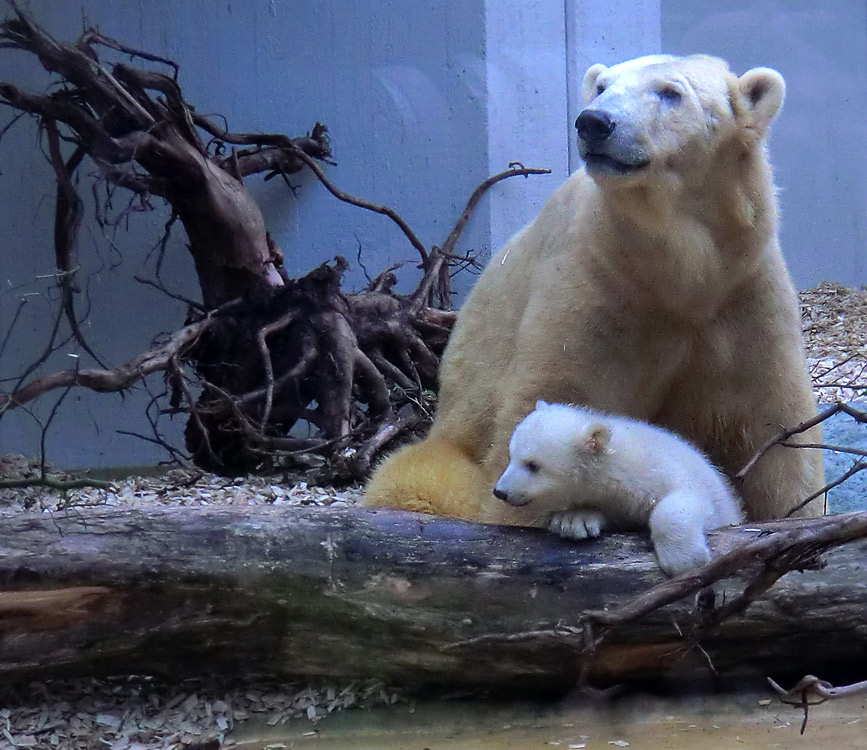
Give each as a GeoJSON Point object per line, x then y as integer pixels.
{"type": "Point", "coordinates": [707, 723]}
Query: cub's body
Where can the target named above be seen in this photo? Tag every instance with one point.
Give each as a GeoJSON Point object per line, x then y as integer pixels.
{"type": "Point", "coordinates": [579, 472]}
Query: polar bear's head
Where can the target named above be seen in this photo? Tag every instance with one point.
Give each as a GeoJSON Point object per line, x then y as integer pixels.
{"type": "Point", "coordinates": [663, 112]}
{"type": "Point", "coordinates": [550, 451]}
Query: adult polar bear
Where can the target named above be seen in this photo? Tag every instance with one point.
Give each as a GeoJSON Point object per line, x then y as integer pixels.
{"type": "Point", "coordinates": [650, 285]}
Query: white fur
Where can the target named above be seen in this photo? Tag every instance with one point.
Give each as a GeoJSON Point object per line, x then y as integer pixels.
{"type": "Point", "coordinates": [580, 472]}
{"type": "Point", "coordinates": [651, 285]}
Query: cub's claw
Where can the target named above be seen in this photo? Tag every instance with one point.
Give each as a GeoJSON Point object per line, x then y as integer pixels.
{"type": "Point", "coordinates": [577, 524]}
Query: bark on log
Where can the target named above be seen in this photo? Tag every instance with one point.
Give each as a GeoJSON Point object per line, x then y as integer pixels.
{"type": "Point", "coordinates": [374, 593]}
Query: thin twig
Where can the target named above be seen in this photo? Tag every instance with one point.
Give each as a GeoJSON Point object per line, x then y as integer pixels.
{"type": "Point", "coordinates": [360, 202]}
{"type": "Point", "coordinates": [810, 537]}
{"type": "Point", "coordinates": [854, 469]}
{"type": "Point", "coordinates": [515, 169]}
{"type": "Point", "coordinates": [54, 484]}
{"type": "Point", "coordinates": [785, 434]}
{"type": "Point", "coordinates": [174, 295]}
{"type": "Point", "coordinates": [440, 255]}
{"type": "Point", "coordinates": [261, 335]}
{"type": "Point", "coordinates": [118, 378]}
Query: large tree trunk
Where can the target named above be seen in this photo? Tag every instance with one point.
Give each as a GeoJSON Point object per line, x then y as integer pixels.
{"type": "Point", "coordinates": [356, 592]}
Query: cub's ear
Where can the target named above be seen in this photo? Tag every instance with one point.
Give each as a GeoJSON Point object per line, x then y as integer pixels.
{"type": "Point", "coordinates": [763, 90]}
{"type": "Point", "coordinates": [596, 441]}
{"type": "Point", "coordinates": [588, 88]}
{"type": "Point", "coordinates": [540, 404]}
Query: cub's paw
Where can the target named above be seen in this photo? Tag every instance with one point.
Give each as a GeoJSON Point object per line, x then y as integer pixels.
{"type": "Point", "coordinates": [576, 524]}
{"type": "Point", "coordinates": [678, 556]}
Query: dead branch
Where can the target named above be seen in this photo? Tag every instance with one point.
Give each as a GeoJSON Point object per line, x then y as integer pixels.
{"type": "Point", "coordinates": [785, 434]}
{"type": "Point", "coordinates": [361, 203]}
{"type": "Point", "coordinates": [422, 297]}
{"type": "Point", "coordinates": [781, 547]}
{"type": "Point", "coordinates": [292, 350]}
{"type": "Point", "coordinates": [782, 439]}
{"type": "Point", "coordinates": [54, 484]}
{"type": "Point", "coordinates": [776, 551]}
{"type": "Point", "coordinates": [515, 169]}
{"type": "Point", "coordinates": [117, 378]}
{"type": "Point", "coordinates": [67, 219]}
{"type": "Point", "coordinates": [261, 335]}
{"type": "Point", "coordinates": [816, 691]}
{"type": "Point", "coordinates": [811, 691]}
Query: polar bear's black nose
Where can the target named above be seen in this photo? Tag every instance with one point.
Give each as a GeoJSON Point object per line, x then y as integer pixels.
{"type": "Point", "coordinates": [500, 494]}
{"type": "Point", "coordinates": [594, 125]}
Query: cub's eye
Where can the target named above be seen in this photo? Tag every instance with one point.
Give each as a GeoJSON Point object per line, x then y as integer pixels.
{"type": "Point", "coordinates": [531, 466]}
{"type": "Point", "coordinates": [670, 94]}
{"type": "Point", "coordinates": [599, 89]}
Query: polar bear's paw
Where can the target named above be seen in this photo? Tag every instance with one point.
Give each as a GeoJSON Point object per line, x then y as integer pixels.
{"type": "Point", "coordinates": [677, 526]}
{"type": "Point", "coordinates": [678, 557]}
{"type": "Point", "coordinates": [577, 524]}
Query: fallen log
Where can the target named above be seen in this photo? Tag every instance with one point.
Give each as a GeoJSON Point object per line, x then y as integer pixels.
{"type": "Point", "coordinates": [347, 593]}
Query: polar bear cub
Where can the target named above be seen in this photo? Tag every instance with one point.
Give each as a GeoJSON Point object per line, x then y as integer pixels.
{"type": "Point", "coordinates": [580, 472]}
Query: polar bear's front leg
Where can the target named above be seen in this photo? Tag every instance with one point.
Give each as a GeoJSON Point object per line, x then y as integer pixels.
{"type": "Point", "coordinates": [677, 530]}
{"type": "Point", "coordinates": [577, 524]}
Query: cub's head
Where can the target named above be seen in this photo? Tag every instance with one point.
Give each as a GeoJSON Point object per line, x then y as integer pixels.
{"type": "Point", "coordinates": [550, 451]}
{"type": "Point", "coordinates": [669, 113]}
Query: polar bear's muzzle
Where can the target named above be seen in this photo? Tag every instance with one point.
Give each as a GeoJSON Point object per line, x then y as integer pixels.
{"type": "Point", "coordinates": [605, 148]}
{"type": "Point", "coordinates": [512, 498]}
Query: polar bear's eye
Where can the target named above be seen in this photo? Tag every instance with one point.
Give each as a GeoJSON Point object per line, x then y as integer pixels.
{"type": "Point", "coordinates": [532, 466]}
{"type": "Point", "coordinates": [670, 94]}
{"type": "Point", "coordinates": [599, 89]}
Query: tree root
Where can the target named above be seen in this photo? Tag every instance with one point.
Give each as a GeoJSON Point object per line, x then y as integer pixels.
{"type": "Point", "coordinates": [286, 370]}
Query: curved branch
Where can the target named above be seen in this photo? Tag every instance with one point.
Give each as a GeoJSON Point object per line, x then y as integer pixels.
{"type": "Point", "coordinates": [785, 434]}
{"type": "Point", "coordinates": [807, 538]}
{"type": "Point", "coordinates": [267, 364]}
{"type": "Point", "coordinates": [515, 169]}
{"type": "Point", "coordinates": [118, 378]}
{"type": "Point", "coordinates": [421, 296]}
{"type": "Point", "coordinates": [90, 132]}
{"type": "Point", "coordinates": [67, 219]}
{"type": "Point", "coordinates": [316, 144]}
{"type": "Point", "coordinates": [91, 36]}
{"type": "Point", "coordinates": [361, 203]}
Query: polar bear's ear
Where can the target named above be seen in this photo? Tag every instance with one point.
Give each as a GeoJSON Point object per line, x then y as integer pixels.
{"type": "Point", "coordinates": [597, 439]}
{"type": "Point", "coordinates": [763, 90]}
{"type": "Point", "coordinates": [588, 88]}
{"type": "Point", "coordinates": [540, 404]}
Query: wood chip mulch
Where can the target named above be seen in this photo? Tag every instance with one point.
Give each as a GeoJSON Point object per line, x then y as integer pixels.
{"type": "Point", "coordinates": [835, 331]}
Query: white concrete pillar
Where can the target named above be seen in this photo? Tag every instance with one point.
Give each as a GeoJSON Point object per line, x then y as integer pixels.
{"type": "Point", "coordinates": [536, 54]}
{"type": "Point", "coordinates": [526, 76]}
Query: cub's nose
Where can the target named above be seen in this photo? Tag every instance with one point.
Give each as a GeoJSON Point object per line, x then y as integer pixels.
{"type": "Point", "coordinates": [594, 126]}
{"type": "Point", "coordinates": [500, 494]}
